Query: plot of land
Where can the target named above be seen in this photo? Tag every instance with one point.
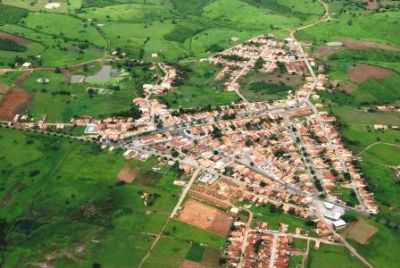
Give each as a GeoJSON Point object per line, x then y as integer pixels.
{"type": "Point", "coordinates": [205, 217]}
{"type": "Point", "coordinates": [14, 102]}
{"type": "Point", "coordinates": [363, 72]}
{"type": "Point", "coordinates": [127, 174]}
{"type": "Point", "coordinates": [359, 44]}
{"type": "Point", "coordinates": [16, 39]}
{"type": "Point", "coordinates": [191, 264]}
{"type": "Point", "coordinates": [360, 231]}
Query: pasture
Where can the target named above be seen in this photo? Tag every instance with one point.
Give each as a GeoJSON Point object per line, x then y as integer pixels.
{"type": "Point", "coordinates": [328, 256]}
{"type": "Point", "coordinates": [75, 200]}
{"type": "Point", "coordinates": [60, 100]}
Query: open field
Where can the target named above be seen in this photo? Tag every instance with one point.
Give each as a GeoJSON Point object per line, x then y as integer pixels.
{"type": "Point", "coordinates": [362, 72]}
{"type": "Point", "coordinates": [76, 203]}
{"type": "Point", "coordinates": [328, 256]}
{"type": "Point", "coordinates": [14, 102]}
{"type": "Point", "coordinates": [376, 27]}
{"type": "Point", "coordinates": [60, 100]}
{"type": "Point", "coordinates": [173, 29]}
{"type": "Point", "coordinates": [274, 217]}
{"type": "Point", "coordinates": [360, 231]}
{"type": "Point", "coordinates": [205, 217]}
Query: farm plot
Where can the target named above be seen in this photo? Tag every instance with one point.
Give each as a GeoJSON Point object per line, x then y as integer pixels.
{"type": "Point", "coordinates": [14, 102]}
{"type": "Point", "coordinates": [205, 217]}
{"type": "Point", "coordinates": [360, 231]}
{"type": "Point", "coordinates": [362, 72]}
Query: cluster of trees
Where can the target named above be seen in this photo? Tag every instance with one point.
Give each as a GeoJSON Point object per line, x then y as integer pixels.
{"type": "Point", "coordinates": [10, 45]}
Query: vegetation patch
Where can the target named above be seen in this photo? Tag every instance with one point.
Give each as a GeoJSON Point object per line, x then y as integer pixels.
{"type": "Point", "coordinates": [11, 15]}
{"type": "Point", "coordinates": [360, 231]}
{"type": "Point", "coordinates": [362, 72]}
{"type": "Point", "coordinates": [196, 252]}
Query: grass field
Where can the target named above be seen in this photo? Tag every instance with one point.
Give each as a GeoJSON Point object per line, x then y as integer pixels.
{"type": "Point", "coordinates": [378, 27]}
{"type": "Point", "coordinates": [60, 100]}
{"type": "Point", "coordinates": [328, 256]}
{"type": "Point", "coordinates": [75, 202]}
{"type": "Point", "coordinates": [275, 217]}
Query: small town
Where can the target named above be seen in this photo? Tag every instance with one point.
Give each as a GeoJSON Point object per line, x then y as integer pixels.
{"type": "Point", "coordinates": [285, 153]}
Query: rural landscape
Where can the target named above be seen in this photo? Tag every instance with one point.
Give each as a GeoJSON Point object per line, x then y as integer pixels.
{"type": "Point", "coordinates": [199, 133]}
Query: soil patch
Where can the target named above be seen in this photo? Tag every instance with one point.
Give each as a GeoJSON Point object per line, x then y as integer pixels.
{"type": "Point", "coordinates": [127, 174]}
{"type": "Point", "coordinates": [350, 44]}
{"type": "Point", "coordinates": [16, 39]}
{"type": "Point", "coordinates": [327, 51]}
{"type": "Point", "coordinates": [211, 258]}
{"type": "Point", "coordinates": [360, 231]}
{"type": "Point", "coordinates": [358, 44]}
{"type": "Point", "coordinates": [191, 264]}
{"type": "Point", "coordinates": [372, 4]}
{"type": "Point", "coordinates": [14, 102]}
{"type": "Point", "coordinates": [205, 217]}
{"type": "Point", "coordinates": [362, 72]}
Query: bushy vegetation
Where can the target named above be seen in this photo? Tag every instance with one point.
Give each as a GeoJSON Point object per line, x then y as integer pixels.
{"type": "Point", "coordinates": [11, 15]}
{"type": "Point", "coordinates": [11, 46]}
{"type": "Point", "coordinates": [196, 88]}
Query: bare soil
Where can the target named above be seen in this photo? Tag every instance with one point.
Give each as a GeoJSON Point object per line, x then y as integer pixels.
{"type": "Point", "coordinates": [14, 102]}
{"type": "Point", "coordinates": [362, 72]}
{"type": "Point", "coordinates": [127, 174]}
{"type": "Point", "coordinates": [360, 231]}
{"type": "Point", "coordinates": [191, 264]}
{"type": "Point", "coordinates": [205, 217]}
{"type": "Point", "coordinates": [358, 44]}
{"type": "Point", "coordinates": [372, 4]}
{"type": "Point", "coordinates": [19, 40]}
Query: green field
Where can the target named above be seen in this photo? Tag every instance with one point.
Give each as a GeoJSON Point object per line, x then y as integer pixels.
{"type": "Point", "coordinates": [75, 201]}
{"type": "Point", "coordinates": [274, 217]}
{"type": "Point", "coordinates": [328, 256]}
{"type": "Point", "coordinates": [377, 27]}
{"type": "Point", "coordinates": [174, 29]}
{"type": "Point", "coordinates": [61, 100]}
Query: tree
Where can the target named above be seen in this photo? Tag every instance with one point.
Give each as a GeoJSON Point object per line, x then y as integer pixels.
{"type": "Point", "coordinates": [216, 133]}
